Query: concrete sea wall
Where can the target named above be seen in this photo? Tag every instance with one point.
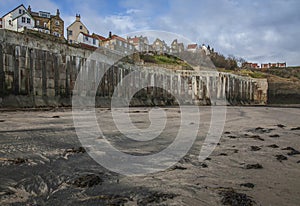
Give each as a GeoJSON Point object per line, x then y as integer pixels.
{"type": "Point", "coordinates": [35, 72]}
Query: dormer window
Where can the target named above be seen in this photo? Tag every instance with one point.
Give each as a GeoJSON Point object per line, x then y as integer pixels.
{"type": "Point", "coordinates": [20, 11]}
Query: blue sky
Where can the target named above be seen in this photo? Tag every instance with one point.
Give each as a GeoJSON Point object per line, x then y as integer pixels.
{"type": "Point", "coordinates": [257, 30]}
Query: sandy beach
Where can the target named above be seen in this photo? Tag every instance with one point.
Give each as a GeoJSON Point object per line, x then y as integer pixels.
{"type": "Point", "coordinates": [257, 161]}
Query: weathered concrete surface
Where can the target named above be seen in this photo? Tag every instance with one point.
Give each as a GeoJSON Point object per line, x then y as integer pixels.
{"type": "Point", "coordinates": [36, 73]}
{"type": "Point", "coordinates": [41, 162]}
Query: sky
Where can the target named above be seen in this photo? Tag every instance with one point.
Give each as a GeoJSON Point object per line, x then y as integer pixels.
{"type": "Point", "coordinates": [259, 31]}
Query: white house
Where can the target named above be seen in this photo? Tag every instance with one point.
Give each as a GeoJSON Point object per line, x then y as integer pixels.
{"type": "Point", "coordinates": [17, 19]}
{"type": "Point", "coordinates": [88, 39]}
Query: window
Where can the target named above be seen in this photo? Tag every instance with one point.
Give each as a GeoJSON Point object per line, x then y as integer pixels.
{"type": "Point", "coordinates": [23, 11]}
{"type": "Point", "coordinates": [70, 32]}
{"type": "Point", "coordinates": [45, 24]}
{"type": "Point", "coordinates": [10, 23]}
{"type": "Point", "coordinates": [38, 22]}
{"type": "Point", "coordinates": [23, 19]}
{"type": "Point", "coordinates": [94, 41]}
{"type": "Point", "coordinates": [86, 38]}
{"type": "Point", "coordinates": [57, 23]}
{"type": "Point", "coordinates": [28, 20]}
{"type": "Point", "coordinates": [80, 27]}
{"type": "Point", "coordinates": [71, 41]}
{"type": "Point", "coordinates": [20, 11]}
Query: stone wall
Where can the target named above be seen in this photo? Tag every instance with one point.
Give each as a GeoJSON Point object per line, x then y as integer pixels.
{"type": "Point", "coordinates": [35, 72]}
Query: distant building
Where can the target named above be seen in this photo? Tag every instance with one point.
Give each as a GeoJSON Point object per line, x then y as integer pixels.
{"type": "Point", "coordinates": [48, 23]}
{"type": "Point", "coordinates": [88, 40]}
{"type": "Point", "coordinates": [176, 47]}
{"type": "Point", "coordinates": [205, 49]}
{"type": "Point", "coordinates": [250, 65]}
{"type": "Point", "coordinates": [192, 48]}
{"type": "Point", "coordinates": [273, 65]}
{"type": "Point", "coordinates": [75, 29]}
{"type": "Point", "coordinates": [17, 19]}
{"type": "Point", "coordinates": [140, 43]}
{"type": "Point", "coordinates": [160, 46]}
{"type": "Point", "coordinates": [117, 43]}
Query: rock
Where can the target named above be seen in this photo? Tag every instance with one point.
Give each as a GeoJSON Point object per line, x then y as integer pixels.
{"type": "Point", "coordinates": [256, 137]}
{"type": "Point", "coordinates": [249, 185]}
{"type": "Point", "coordinates": [273, 146]}
{"type": "Point", "coordinates": [223, 154]}
{"type": "Point", "coordinates": [56, 117]}
{"type": "Point", "coordinates": [298, 162]}
{"type": "Point", "coordinates": [232, 137]}
{"type": "Point", "coordinates": [177, 167]}
{"type": "Point", "coordinates": [296, 128]}
{"type": "Point", "coordinates": [280, 158]}
{"type": "Point", "coordinates": [292, 151]}
{"type": "Point", "coordinates": [255, 148]}
{"type": "Point", "coordinates": [227, 133]}
{"type": "Point", "coordinates": [254, 166]}
{"type": "Point", "coordinates": [274, 135]}
{"type": "Point", "coordinates": [1, 120]}
{"type": "Point", "coordinates": [233, 198]}
{"type": "Point", "coordinates": [281, 125]}
{"type": "Point", "coordinates": [204, 165]}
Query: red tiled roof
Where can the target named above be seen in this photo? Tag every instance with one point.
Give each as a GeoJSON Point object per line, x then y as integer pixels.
{"type": "Point", "coordinates": [118, 38]}
{"type": "Point", "coordinates": [101, 38]}
{"type": "Point", "coordinates": [84, 34]}
{"type": "Point", "coordinates": [135, 40]}
{"type": "Point", "coordinates": [192, 46]}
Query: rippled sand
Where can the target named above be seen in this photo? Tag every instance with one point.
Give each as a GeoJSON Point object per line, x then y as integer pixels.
{"type": "Point", "coordinates": [257, 161]}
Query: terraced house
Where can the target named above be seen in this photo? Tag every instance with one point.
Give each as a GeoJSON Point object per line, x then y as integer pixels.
{"type": "Point", "coordinates": [48, 23]}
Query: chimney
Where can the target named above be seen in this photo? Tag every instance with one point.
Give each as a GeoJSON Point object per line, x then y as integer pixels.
{"type": "Point", "coordinates": [77, 17]}
{"type": "Point", "coordinates": [110, 35]}
{"type": "Point", "coordinates": [57, 12]}
{"type": "Point", "coordinates": [29, 9]}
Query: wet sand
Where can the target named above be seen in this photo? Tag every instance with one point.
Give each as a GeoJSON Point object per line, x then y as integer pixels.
{"type": "Point", "coordinates": [257, 161]}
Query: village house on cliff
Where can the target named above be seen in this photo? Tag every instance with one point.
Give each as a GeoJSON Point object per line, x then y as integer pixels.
{"type": "Point", "coordinates": [140, 43]}
{"type": "Point", "coordinates": [176, 47]}
{"type": "Point", "coordinates": [48, 23]}
{"type": "Point", "coordinates": [75, 29]}
{"type": "Point", "coordinates": [160, 46]}
{"type": "Point", "coordinates": [117, 43]}
{"type": "Point", "coordinates": [17, 19]}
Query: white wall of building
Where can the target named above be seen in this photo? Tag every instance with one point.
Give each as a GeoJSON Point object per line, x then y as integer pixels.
{"type": "Point", "coordinates": [87, 40]}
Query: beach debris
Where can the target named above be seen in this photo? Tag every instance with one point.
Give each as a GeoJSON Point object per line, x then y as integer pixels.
{"type": "Point", "coordinates": [295, 128]}
{"type": "Point", "coordinates": [255, 148]}
{"type": "Point", "coordinates": [223, 154]}
{"type": "Point", "coordinates": [254, 166]}
{"type": "Point", "coordinates": [233, 198]}
{"type": "Point", "coordinates": [2, 120]}
{"type": "Point", "coordinates": [232, 137]}
{"type": "Point", "coordinates": [280, 158]}
{"type": "Point", "coordinates": [273, 146]}
{"type": "Point", "coordinates": [249, 185]}
{"type": "Point", "coordinates": [56, 117]}
{"type": "Point", "coordinates": [227, 132]}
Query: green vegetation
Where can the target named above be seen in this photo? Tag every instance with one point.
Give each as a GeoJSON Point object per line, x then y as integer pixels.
{"type": "Point", "coordinates": [165, 59]}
